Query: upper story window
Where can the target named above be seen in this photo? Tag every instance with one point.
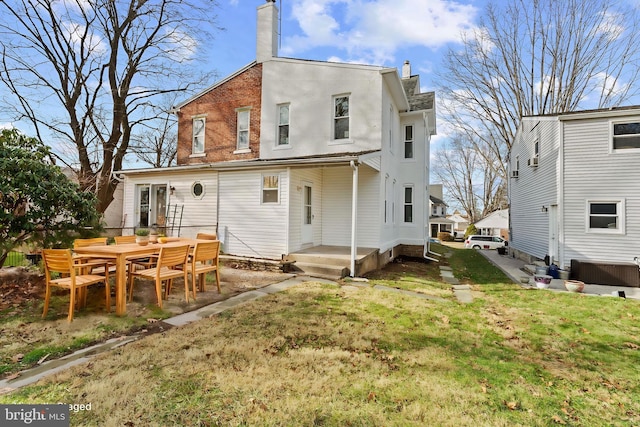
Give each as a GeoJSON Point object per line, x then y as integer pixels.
{"type": "Point", "coordinates": [626, 136]}
{"type": "Point", "coordinates": [283, 124]}
{"type": "Point", "coordinates": [341, 117]}
{"type": "Point", "coordinates": [536, 148]}
{"type": "Point", "coordinates": [198, 135]}
{"type": "Point", "coordinates": [605, 216]}
{"type": "Point", "coordinates": [408, 142]}
{"type": "Point", "coordinates": [243, 128]}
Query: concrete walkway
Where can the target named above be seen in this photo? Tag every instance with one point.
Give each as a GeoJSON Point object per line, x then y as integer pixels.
{"type": "Point", "coordinates": [514, 268]}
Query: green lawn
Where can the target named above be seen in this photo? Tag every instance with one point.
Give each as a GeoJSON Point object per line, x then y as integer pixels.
{"type": "Point", "coordinates": [337, 356]}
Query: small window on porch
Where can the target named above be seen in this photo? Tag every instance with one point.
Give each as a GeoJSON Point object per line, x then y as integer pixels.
{"type": "Point", "coordinates": [270, 188]}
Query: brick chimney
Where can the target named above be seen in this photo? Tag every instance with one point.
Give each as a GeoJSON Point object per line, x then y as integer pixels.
{"type": "Point", "coordinates": [267, 32]}
{"type": "Point", "coordinates": [406, 70]}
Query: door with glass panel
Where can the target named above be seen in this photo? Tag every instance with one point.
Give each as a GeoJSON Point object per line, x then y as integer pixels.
{"type": "Point", "coordinates": [307, 213]}
{"type": "Point", "coordinates": [152, 205]}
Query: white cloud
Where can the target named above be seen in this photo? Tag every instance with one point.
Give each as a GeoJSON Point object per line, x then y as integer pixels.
{"type": "Point", "coordinates": [376, 29]}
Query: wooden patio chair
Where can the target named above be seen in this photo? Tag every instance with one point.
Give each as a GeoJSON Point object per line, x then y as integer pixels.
{"type": "Point", "coordinates": [171, 264]}
{"type": "Point", "coordinates": [62, 262]}
{"type": "Point", "coordinates": [88, 262]}
{"type": "Point", "coordinates": [206, 236]}
{"type": "Point", "coordinates": [204, 260]}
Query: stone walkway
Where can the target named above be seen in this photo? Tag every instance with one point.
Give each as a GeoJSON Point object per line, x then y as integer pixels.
{"type": "Point", "coordinates": [461, 292]}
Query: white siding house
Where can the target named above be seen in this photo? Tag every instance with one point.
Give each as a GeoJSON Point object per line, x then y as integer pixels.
{"type": "Point", "coordinates": [289, 154]}
{"type": "Point", "coordinates": [573, 187]}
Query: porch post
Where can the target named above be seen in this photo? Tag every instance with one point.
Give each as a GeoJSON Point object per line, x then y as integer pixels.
{"type": "Point", "coordinates": [354, 217]}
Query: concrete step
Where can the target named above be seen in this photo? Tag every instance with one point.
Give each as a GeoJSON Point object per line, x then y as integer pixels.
{"type": "Point", "coordinates": [333, 272]}
{"type": "Point", "coordinates": [335, 260]}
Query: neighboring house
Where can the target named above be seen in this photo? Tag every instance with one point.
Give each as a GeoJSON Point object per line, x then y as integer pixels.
{"type": "Point", "coordinates": [495, 224]}
{"type": "Point", "coordinates": [287, 155]}
{"type": "Point", "coordinates": [438, 221]}
{"type": "Point", "coordinates": [460, 223]}
{"type": "Point", "coordinates": [574, 189]}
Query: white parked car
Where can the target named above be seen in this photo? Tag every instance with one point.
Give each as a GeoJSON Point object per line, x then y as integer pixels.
{"type": "Point", "coordinates": [484, 242]}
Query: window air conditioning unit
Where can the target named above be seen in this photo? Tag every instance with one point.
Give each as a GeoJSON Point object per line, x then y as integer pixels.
{"type": "Point", "coordinates": [514, 174]}
{"type": "Point", "coordinates": [533, 162]}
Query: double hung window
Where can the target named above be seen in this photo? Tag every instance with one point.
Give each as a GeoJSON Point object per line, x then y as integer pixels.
{"type": "Point", "coordinates": [198, 135]}
{"type": "Point", "coordinates": [283, 124]}
{"type": "Point", "coordinates": [243, 129]}
{"type": "Point", "coordinates": [341, 117]}
{"type": "Point", "coordinates": [408, 142]}
{"type": "Point", "coordinates": [408, 204]}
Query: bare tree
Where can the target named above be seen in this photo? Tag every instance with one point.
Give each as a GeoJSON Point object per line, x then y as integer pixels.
{"type": "Point", "coordinates": [538, 57]}
{"type": "Point", "coordinates": [158, 146]}
{"type": "Point", "coordinates": [88, 72]}
{"type": "Point", "coordinates": [478, 189]}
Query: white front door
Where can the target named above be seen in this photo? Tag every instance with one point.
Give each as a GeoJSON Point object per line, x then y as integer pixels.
{"type": "Point", "coordinates": [307, 213]}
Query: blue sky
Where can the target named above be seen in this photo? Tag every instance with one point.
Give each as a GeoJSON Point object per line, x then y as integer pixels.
{"type": "Point", "coordinates": [379, 32]}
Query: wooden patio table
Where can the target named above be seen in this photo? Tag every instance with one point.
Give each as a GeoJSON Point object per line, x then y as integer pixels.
{"type": "Point", "coordinates": [120, 253]}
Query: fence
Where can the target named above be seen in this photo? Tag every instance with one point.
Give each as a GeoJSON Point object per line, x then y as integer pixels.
{"type": "Point", "coordinates": [21, 259]}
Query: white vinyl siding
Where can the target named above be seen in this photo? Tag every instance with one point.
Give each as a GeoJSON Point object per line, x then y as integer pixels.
{"type": "Point", "coordinates": [535, 187]}
{"type": "Point", "coordinates": [594, 173]}
{"type": "Point", "coordinates": [249, 227]}
{"type": "Point", "coordinates": [336, 207]}
{"type": "Point", "coordinates": [196, 213]}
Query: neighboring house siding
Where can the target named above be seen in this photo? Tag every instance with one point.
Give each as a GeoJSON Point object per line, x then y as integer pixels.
{"type": "Point", "coordinates": [592, 172]}
{"type": "Point", "coordinates": [535, 187]}
{"type": "Point", "coordinates": [336, 207]}
{"type": "Point", "coordinates": [309, 88]}
{"type": "Point", "coordinates": [219, 107]}
{"type": "Point", "coordinates": [247, 226]}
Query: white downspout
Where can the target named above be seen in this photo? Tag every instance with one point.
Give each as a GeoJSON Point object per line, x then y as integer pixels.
{"type": "Point", "coordinates": [354, 217]}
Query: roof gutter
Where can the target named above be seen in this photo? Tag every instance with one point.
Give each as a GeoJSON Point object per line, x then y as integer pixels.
{"type": "Point", "coordinates": [258, 164]}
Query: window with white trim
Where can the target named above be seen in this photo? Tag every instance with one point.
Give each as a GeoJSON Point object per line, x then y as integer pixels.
{"type": "Point", "coordinates": [243, 117]}
{"type": "Point", "coordinates": [283, 124]}
{"type": "Point", "coordinates": [625, 136]}
{"type": "Point", "coordinates": [408, 142]}
{"type": "Point", "coordinates": [270, 188]}
{"type": "Point", "coordinates": [198, 135]}
{"type": "Point", "coordinates": [341, 117]}
{"type": "Point", "coordinates": [606, 216]}
{"type": "Point", "coordinates": [408, 204]}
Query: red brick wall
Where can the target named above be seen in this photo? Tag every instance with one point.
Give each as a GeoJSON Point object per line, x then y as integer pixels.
{"type": "Point", "coordinates": [219, 105]}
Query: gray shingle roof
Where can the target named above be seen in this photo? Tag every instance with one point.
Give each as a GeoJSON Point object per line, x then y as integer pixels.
{"type": "Point", "coordinates": [417, 101]}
